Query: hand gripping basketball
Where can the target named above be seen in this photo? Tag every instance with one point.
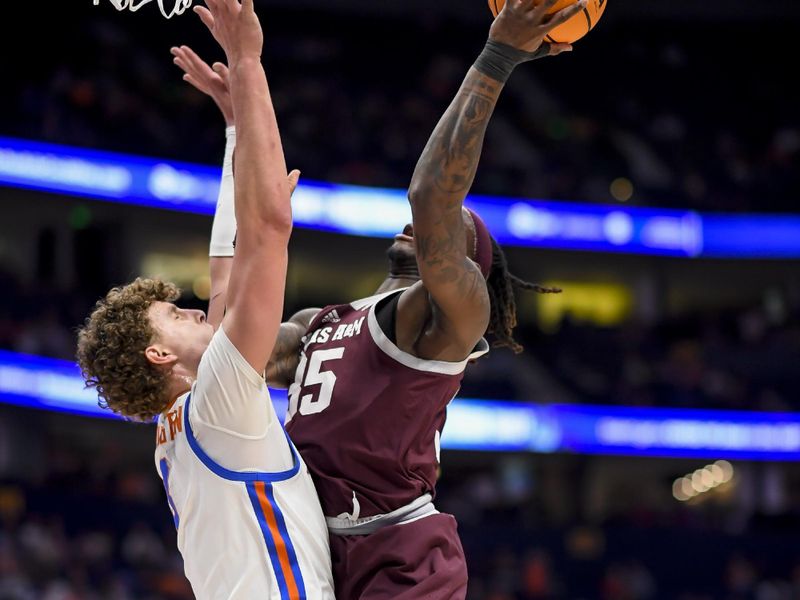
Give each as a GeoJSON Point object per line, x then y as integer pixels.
{"type": "Point", "coordinates": [570, 30]}
{"type": "Point", "coordinates": [523, 25]}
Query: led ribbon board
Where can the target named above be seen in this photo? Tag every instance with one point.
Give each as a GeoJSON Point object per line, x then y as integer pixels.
{"type": "Point", "coordinates": [379, 212]}
{"type": "Point", "coordinates": [485, 425]}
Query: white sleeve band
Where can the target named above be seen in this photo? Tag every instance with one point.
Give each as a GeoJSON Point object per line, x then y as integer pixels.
{"type": "Point", "coordinates": [223, 230]}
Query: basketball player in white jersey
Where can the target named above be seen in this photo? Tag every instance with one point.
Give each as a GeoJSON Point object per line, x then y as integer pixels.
{"type": "Point", "coordinates": [376, 476]}
{"type": "Point", "coordinates": [248, 520]}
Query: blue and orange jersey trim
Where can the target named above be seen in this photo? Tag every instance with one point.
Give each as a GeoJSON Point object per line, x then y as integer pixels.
{"type": "Point", "coordinates": [279, 545]}
{"type": "Point", "coordinates": [164, 467]}
{"type": "Point", "coordinates": [280, 549]}
{"type": "Point", "coordinates": [245, 476]}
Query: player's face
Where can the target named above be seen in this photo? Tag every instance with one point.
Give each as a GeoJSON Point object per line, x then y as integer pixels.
{"type": "Point", "coordinates": [182, 332]}
{"type": "Point", "coordinates": [403, 248]}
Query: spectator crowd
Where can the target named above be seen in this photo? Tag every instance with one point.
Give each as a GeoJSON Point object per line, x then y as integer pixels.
{"type": "Point", "coordinates": [676, 108]}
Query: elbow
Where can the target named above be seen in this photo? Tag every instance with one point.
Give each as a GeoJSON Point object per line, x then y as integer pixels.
{"type": "Point", "coordinates": [417, 191]}
{"type": "Point", "coordinates": [263, 203]}
{"type": "Point", "coordinates": [264, 228]}
{"type": "Point", "coordinates": [272, 225]}
{"type": "Point", "coordinates": [280, 220]}
{"type": "Point", "coordinates": [279, 227]}
{"type": "Point", "coordinates": [275, 217]}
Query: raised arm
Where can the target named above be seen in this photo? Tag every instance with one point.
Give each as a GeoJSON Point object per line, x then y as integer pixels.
{"type": "Point", "coordinates": [447, 166]}
{"type": "Point", "coordinates": [263, 212]}
{"type": "Point", "coordinates": [213, 80]}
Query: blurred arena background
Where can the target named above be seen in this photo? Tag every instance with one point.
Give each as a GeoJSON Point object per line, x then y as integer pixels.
{"type": "Point", "coordinates": [590, 466]}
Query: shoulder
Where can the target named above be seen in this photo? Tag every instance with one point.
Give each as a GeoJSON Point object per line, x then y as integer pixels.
{"type": "Point", "coordinates": [222, 355]}
{"type": "Point", "coordinates": [334, 313]}
{"type": "Point", "coordinates": [425, 331]}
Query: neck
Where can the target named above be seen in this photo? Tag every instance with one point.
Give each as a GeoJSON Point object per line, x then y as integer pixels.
{"type": "Point", "coordinates": [396, 281]}
{"type": "Point", "coordinates": [403, 269]}
{"type": "Point", "coordinates": [180, 383]}
{"type": "Point", "coordinates": [176, 392]}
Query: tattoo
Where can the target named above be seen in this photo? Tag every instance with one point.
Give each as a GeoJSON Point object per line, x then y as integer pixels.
{"type": "Point", "coordinates": [451, 156]}
{"type": "Point", "coordinates": [450, 159]}
{"type": "Point", "coordinates": [442, 178]}
{"type": "Point", "coordinates": [285, 355]}
{"type": "Point", "coordinates": [431, 247]}
{"type": "Point", "coordinates": [458, 147]}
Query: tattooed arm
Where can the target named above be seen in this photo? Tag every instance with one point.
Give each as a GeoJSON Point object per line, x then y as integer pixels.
{"type": "Point", "coordinates": [438, 187]}
{"type": "Point", "coordinates": [446, 169]}
{"type": "Point", "coordinates": [286, 354]}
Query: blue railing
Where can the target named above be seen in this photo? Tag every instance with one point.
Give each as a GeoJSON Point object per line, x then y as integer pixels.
{"type": "Point", "coordinates": [488, 425]}
{"type": "Point", "coordinates": [379, 212]}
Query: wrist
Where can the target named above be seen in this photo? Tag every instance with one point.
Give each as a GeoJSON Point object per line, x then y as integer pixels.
{"type": "Point", "coordinates": [498, 60]}
{"type": "Point", "coordinates": [244, 61]}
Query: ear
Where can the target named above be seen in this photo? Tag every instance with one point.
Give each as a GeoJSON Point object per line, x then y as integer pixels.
{"type": "Point", "coordinates": [159, 355]}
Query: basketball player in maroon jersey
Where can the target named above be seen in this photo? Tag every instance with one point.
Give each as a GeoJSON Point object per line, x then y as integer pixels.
{"type": "Point", "coordinates": [369, 394]}
{"type": "Point", "coordinates": [375, 376]}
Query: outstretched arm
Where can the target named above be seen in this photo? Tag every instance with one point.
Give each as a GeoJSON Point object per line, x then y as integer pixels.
{"type": "Point", "coordinates": [263, 212]}
{"type": "Point", "coordinates": [213, 80]}
{"type": "Point", "coordinates": [447, 166]}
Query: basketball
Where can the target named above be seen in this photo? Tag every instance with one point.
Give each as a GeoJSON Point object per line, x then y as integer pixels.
{"type": "Point", "coordinates": [575, 28]}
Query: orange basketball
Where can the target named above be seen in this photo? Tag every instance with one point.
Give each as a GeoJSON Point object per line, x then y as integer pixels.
{"type": "Point", "coordinates": [574, 29]}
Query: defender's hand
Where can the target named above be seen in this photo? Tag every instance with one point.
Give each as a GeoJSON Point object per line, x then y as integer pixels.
{"type": "Point", "coordinates": [522, 24]}
{"type": "Point", "coordinates": [211, 80]}
{"type": "Point", "coordinates": [293, 177]}
{"type": "Point", "coordinates": [235, 26]}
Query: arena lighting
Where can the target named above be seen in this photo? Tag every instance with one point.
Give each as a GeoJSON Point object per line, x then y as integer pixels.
{"type": "Point", "coordinates": [493, 425]}
{"type": "Point", "coordinates": [702, 480]}
{"type": "Point", "coordinates": [379, 212]}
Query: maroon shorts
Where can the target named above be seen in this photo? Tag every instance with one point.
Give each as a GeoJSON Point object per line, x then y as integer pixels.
{"type": "Point", "coordinates": [415, 561]}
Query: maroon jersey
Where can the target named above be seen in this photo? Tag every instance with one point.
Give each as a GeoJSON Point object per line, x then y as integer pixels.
{"type": "Point", "coordinates": [366, 416]}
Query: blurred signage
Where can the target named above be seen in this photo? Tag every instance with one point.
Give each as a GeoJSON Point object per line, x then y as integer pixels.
{"type": "Point", "coordinates": [379, 212]}
{"type": "Point", "coordinates": [490, 425]}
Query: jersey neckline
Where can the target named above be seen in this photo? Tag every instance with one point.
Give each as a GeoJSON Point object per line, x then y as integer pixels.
{"type": "Point", "coordinates": [391, 349]}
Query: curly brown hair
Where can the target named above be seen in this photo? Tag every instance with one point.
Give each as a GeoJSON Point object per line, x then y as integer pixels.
{"type": "Point", "coordinates": [111, 347]}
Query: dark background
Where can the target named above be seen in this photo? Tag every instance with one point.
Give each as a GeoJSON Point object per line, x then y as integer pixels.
{"type": "Point", "coordinates": [692, 102]}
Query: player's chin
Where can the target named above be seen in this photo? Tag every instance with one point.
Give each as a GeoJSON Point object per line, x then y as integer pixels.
{"type": "Point", "coordinates": [401, 251]}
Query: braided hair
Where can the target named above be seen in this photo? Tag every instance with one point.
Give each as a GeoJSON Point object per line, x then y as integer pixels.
{"type": "Point", "coordinates": [501, 285]}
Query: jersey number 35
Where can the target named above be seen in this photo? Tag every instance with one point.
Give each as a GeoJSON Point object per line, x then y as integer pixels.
{"type": "Point", "coordinates": [310, 372]}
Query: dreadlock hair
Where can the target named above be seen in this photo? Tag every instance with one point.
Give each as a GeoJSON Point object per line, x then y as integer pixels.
{"type": "Point", "coordinates": [501, 285]}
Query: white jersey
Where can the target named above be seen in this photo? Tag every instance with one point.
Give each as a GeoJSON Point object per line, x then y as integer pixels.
{"type": "Point", "coordinates": [248, 518]}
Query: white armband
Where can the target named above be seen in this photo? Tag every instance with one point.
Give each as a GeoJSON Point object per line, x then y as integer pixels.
{"type": "Point", "coordinates": [223, 230]}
